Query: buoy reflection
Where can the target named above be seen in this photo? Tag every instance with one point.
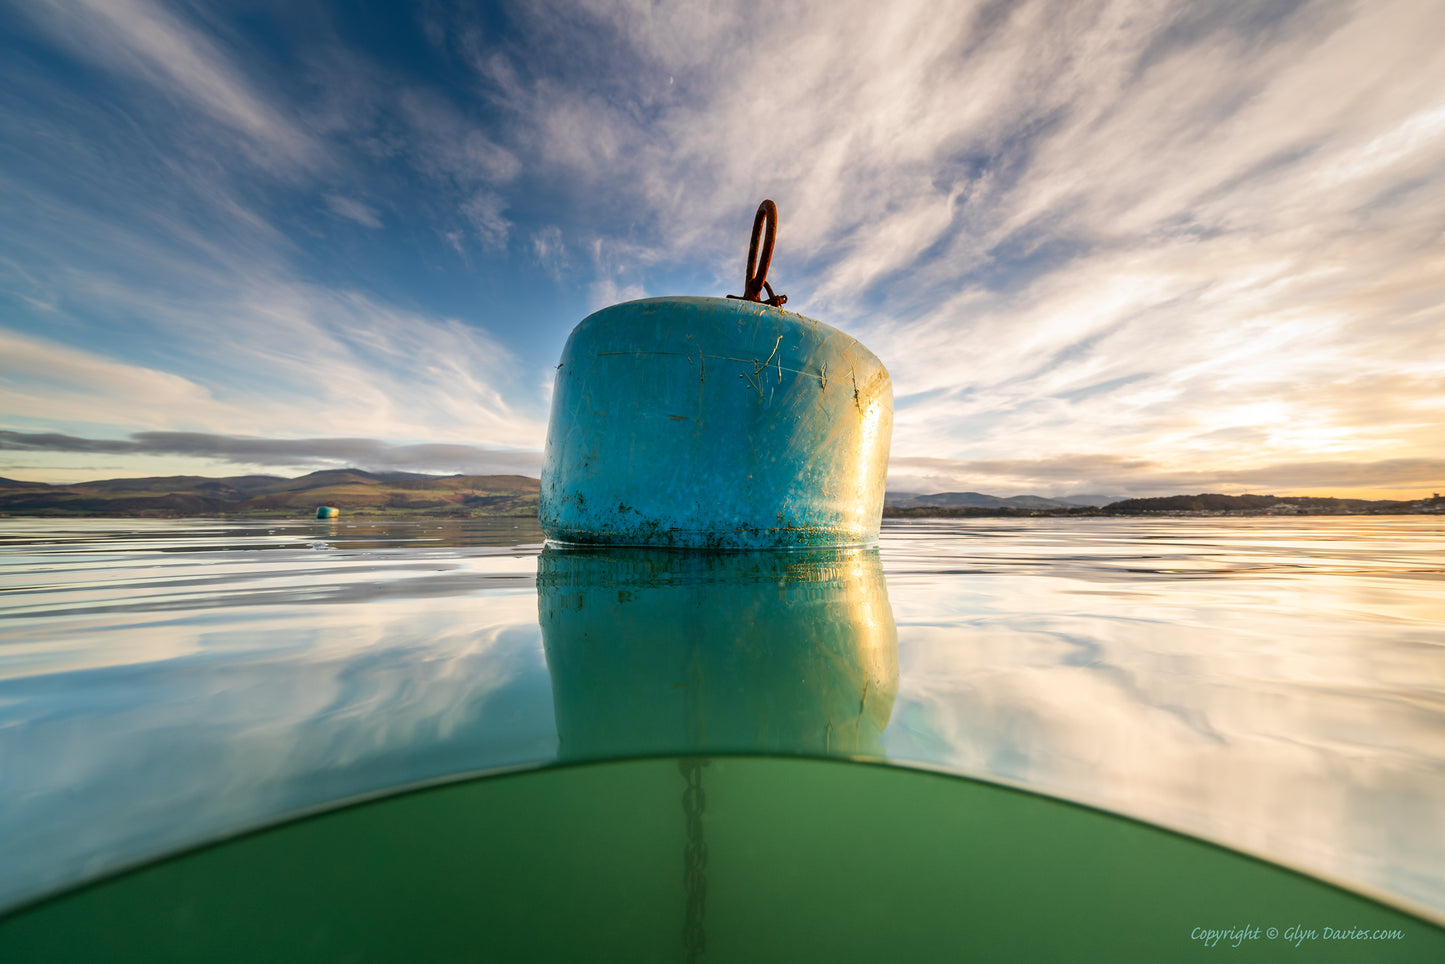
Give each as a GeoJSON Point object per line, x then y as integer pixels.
{"type": "Point", "coordinates": [678, 652]}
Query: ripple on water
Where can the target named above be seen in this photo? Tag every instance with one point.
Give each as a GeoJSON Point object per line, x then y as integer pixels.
{"type": "Point", "coordinates": [1274, 684]}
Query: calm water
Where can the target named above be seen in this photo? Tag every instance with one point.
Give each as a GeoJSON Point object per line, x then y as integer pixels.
{"type": "Point", "coordinates": [1275, 685]}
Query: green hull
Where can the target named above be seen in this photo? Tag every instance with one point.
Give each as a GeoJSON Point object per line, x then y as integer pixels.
{"type": "Point", "coordinates": [721, 859]}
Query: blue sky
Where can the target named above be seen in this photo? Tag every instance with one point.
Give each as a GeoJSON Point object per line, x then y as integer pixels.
{"type": "Point", "coordinates": [1121, 248]}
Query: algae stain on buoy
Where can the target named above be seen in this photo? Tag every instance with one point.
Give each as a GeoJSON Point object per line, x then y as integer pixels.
{"type": "Point", "coordinates": [327, 512]}
{"type": "Point", "coordinates": [716, 423]}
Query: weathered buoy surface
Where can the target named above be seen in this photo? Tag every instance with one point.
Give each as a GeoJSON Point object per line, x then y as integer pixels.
{"type": "Point", "coordinates": [327, 512]}
{"type": "Point", "coordinates": [715, 423]}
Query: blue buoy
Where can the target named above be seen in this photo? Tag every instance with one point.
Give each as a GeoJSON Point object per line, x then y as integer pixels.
{"type": "Point", "coordinates": [327, 512]}
{"type": "Point", "coordinates": [715, 423]}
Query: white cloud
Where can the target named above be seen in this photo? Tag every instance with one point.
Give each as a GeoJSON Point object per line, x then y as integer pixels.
{"type": "Point", "coordinates": [353, 210]}
{"type": "Point", "coordinates": [608, 292]}
{"type": "Point", "coordinates": [147, 41]}
{"type": "Point", "coordinates": [550, 250]}
{"type": "Point", "coordinates": [1188, 234]}
{"type": "Point", "coordinates": [447, 144]}
{"type": "Point", "coordinates": [1099, 227]}
{"type": "Point", "coordinates": [298, 455]}
{"type": "Point", "coordinates": [42, 379]}
{"type": "Point", "coordinates": [483, 211]}
{"type": "Point", "coordinates": [280, 358]}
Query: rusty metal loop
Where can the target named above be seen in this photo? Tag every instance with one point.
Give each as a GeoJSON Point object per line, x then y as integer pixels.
{"type": "Point", "coordinates": [765, 228]}
{"type": "Point", "coordinates": [765, 232]}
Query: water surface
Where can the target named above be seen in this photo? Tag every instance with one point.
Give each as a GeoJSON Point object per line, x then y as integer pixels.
{"type": "Point", "coordinates": [1277, 685]}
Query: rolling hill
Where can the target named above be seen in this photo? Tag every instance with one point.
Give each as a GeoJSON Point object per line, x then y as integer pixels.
{"type": "Point", "coordinates": [354, 491]}
{"type": "Point", "coordinates": [358, 492]}
{"type": "Point", "coordinates": [974, 500]}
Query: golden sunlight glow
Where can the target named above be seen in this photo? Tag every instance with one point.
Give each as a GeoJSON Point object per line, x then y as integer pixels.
{"type": "Point", "coordinates": [872, 454]}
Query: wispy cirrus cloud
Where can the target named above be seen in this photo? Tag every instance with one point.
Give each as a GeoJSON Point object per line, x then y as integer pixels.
{"type": "Point", "coordinates": [180, 61]}
{"type": "Point", "coordinates": [1163, 230]}
{"type": "Point", "coordinates": [292, 454]}
{"type": "Point", "coordinates": [353, 210]}
{"type": "Point", "coordinates": [274, 356]}
{"type": "Point", "coordinates": [1204, 236]}
{"type": "Point", "coordinates": [181, 302]}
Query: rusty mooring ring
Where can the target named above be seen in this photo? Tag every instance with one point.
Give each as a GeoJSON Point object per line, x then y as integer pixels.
{"type": "Point", "coordinates": [765, 231]}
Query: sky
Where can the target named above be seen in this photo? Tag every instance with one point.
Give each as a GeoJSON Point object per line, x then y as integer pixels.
{"type": "Point", "coordinates": [1120, 248]}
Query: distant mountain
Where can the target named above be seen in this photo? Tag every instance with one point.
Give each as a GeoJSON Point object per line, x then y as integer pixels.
{"type": "Point", "coordinates": [17, 484]}
{"type": "Point", "coordinates": [975, 504]}
{"type": "Point", "coordinates": [973, 500]}
{"type": "Point", "coordinates": [356, 491]}
{"type": "Point", "coordinates": [1213, 502]}
{"type": "Point", "coordinates": [351, 490]}
{"type": "Point", "coordinates": [176, 484]}
{"type": "Point", "coordinates": [1091, 498]}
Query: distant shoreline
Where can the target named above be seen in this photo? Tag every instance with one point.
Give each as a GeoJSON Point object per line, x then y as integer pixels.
{"type": "Point", "coordinates": [913, 512]}
{"type": "Point", "coordinates": [357, 493]}
{"type": "Point", "coordinates": [263, 516]}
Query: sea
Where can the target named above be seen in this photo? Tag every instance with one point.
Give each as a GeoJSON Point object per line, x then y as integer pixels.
{"type": "Point", "coordinates": [1271, 685]}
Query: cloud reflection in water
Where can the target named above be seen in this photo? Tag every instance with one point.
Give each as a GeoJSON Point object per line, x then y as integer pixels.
{"type": "Point", "coordinates": [1274, 684]}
